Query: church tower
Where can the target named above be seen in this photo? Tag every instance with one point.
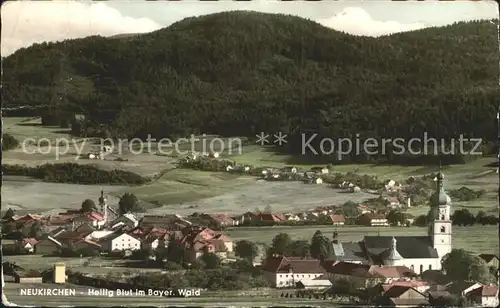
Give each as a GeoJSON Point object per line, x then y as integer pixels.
{"type": "Point", "coordinates": [103, 204]}
{"type": "Point", "coordinates": [440, 218]}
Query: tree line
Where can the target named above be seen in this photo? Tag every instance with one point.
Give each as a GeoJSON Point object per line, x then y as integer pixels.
{"type": "Point", "coordinates": [462, 217]}
{"type": "Point", "coordinates": [297, 77]}
{"type": "Point", "coordinates": [76, 174]}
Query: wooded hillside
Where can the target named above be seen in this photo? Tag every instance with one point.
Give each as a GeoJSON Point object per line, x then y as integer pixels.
{"type": "Point", "coordinates": [238, 73]}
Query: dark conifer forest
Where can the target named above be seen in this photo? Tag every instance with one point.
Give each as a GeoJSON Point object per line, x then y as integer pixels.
{"type": "Point", "coordinates": [240, 73]}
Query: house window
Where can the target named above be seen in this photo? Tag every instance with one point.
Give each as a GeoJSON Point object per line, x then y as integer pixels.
{"type": "Point", "coordinates": [430, 267]}
{"type": "Point", "coordinates": [421, 268]}
{"type": "Point", "coordinates": [412, 268]}
{"type": "Point", "coordinates": [443, 229]}
{"type": "Point", "coordinates": [442, 217]}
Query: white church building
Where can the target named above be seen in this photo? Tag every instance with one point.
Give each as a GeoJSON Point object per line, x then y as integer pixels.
{"type": "Point", "coordinates": [419, 253]}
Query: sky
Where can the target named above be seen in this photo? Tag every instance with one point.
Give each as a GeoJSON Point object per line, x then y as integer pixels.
{"type": "Point", "coordinates": [28, 22]}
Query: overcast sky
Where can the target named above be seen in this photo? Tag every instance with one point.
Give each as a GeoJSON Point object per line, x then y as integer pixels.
{"type": "Point", "coordinates": [28, 22]}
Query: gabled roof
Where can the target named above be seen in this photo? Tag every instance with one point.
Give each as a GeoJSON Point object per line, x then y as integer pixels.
{"type": "Point", "coordinates": [350, 251]}
{"type": "Point", "coordinates": [397, 291]}
{"type": "Point", "coordinates": [222, 218]}
{"type": "Point", "coordinates": [297, 265]}
{"type": "Point", "coordinates": [409, 247]}
{"type": "Point", "coordinates": [488, 257]}
{"type": "Point", "coordinates": [337, 218]}
{"type": "Point", "coordinates": [369, 271]}
{"type": "Point", "coordinates": [31, 241]}
{"type": "Point", "coordinates": [485, 291]}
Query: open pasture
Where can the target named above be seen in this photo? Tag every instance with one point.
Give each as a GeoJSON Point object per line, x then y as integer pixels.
{"type": "Point", "coordinates": [477, 239]}
{"type": "Point", "coordinates": [24, 195]}
{"type": "Point", "coordinates": [186, 191]}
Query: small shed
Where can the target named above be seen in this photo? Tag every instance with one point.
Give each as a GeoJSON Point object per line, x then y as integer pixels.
{"type": "Point", "coordinates": [28, 276]}
{"type": "Point", "coordinates": [59, 273]}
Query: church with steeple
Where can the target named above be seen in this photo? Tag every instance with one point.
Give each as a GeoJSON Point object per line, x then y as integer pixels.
{"type": "Point", "coordinates": [419, 253]}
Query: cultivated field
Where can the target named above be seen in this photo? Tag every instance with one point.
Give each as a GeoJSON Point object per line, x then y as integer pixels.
{"type": "Point", "coordinates": [477, 239]}
{"type": "Point", "coordinates": [25, 195]}
{"type": "Point", "coordinates": [185, 191]}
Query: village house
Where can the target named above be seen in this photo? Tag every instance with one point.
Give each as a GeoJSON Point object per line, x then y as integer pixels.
{"type": "Point", "coordinates": [291, 217]}
{"type": "Point", "coordinates": [373, 220]}
{"type": "Point", "coordinates": [196, 249]}
{"type": "Point", "coordinates": [86, 245]}
{"type": "Point", "coordinates": [205, 236]}
{"type": "Point", "coordinates": [119, 242]}
{"type": "Point", "coordinates": [420, 286]}
{"type": "Point", "coordinates": [290, 169]}
{"type": "Point", "coordinates": [127, 220]}
{"type": "Point", "coordinates": [363, 209]}
{"type": "Point", "coordinates": [248, 217]}
{"type": "Point", "coordinates": [490, 259]}
{"type": "Point", "coordinates": [485, 296]}
{"type": "Point", "coordinates": [461, 288]}
{"type": "Point", "coordinates": [404, 296]}
{"type": "Point", "coordinates": [285, 272]}
{"type": "Point", "coordinates": [85, 228]}
{"type": "Point", "coordinates": [98, 234]}
{"type": "Point", "coordinates": [48, 246]}
{"type": "Point", "coordinates": [318, 283]}
{"type": "Point", "coordinates": [95, 219]}
{"type": "Point", "coordinates": [365, 276]}
{"type": "Point", "coordinates": [155, 241]}
{"type": "Point", "coordinates": [392, 202]}
{"type": "Point", "coordinates": [27, 244]}
{"type": "Point", "coordinates": [273, 218]}
{"type": "Point", "coordinates": [337, 220]}
{"type": "Point", "coordinates": [221, 219]}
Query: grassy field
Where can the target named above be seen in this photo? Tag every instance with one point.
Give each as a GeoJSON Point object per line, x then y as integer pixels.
{"type": "Point", "coordinates": [477, 239]}
{"type": "Point", "coordinates": [185, 191]}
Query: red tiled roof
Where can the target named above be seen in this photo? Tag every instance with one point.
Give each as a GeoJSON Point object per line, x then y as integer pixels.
{"type": "Point", "coordinates": [337, 218]}
{"type": "Point", "coordinates": [369, 271]}
{"type": "Point", "coordinates": [222, 218]}
{"type": "Point", "coordinates": [29, 217]}
{"type": "Point", "coordinates": [31, 241]}
{"type": "Point", "coordinates": [396, 291]}
{"type": "Point", "coordinates": [390, 271]}
{"type": "Point", "coordinates": [297, 265]}
{"type": "Point", "coordinates": [411, 283]}
{"type": "Point", "coordinates": [223, 238]}
{"type": "Point", "coordinates": [272, 217]}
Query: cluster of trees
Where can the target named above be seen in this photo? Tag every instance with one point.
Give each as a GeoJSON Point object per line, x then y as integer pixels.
{"type": "Point", "coordinates": [466, 194]}
{"type": "Point", "coordinates": [238, 276]}
{"type": "Point", "coordinates": [461, 265]}
{"type": "Point", "coordinates": [298, 76]}
{"type": "Point", "coordinates": [318, 247]}
{"type": "Point", "coordinates": [462, 217]}
{"type": "Point", "coordinates": [76, 174]}
{"type": "Point", "coordinates": [9, 142]}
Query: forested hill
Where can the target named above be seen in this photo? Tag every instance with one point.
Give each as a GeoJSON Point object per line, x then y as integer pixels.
{"type": "Point", "coordinates": [237, 73]}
